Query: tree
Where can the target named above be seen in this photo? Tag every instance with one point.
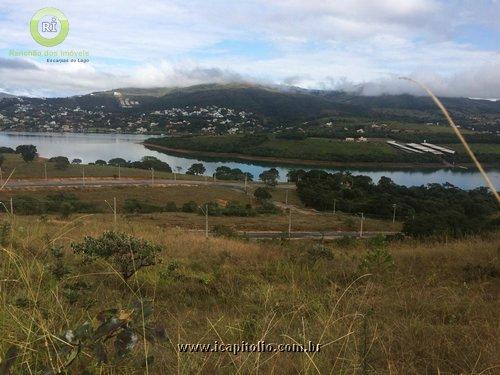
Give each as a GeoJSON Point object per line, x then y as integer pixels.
{"type": "Point", "coordinates": [117, 162]}
{"type": "Point", "coordinates": [196, 169]}
{"type": "Point", "coordinates": [127, 253]}
{"type": "Point", "coordinates": [28, 152]}
{"type": "Point", "coordinates": [151, 162]}
{"type": "Point", "coordinates": [100, 162]}
{"type": "Point", "coordinates": [76, 161]}
{"type": "Point", "coordinates": [7, 150]}
{"type": "Point", "coordinates": [270, 177]}
{"type": "Point", "coordinates": [61, 162]}
{"type": "Point", "coordinates": [2, 159]}
{"type": "Point", "coordinates": [262, 193]}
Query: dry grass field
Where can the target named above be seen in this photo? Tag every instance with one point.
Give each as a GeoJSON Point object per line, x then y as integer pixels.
{"type": "Point", "coordinates": [388, 308]}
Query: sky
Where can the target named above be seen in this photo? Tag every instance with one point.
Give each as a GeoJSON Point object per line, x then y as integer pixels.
{"type": "Point", "coordinates": [353, 45]}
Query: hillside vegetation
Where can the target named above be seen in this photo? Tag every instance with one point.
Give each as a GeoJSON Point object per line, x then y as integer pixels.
{"type": "Point", "coordinates": [319, 149]}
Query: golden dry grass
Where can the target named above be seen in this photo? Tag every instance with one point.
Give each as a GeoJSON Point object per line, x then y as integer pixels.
{"type": "Point", "coordinates": [425, 314]}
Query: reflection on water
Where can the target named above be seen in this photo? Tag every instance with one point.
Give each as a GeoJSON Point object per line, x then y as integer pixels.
{"type": "Point", "coordinates": [90, 147]}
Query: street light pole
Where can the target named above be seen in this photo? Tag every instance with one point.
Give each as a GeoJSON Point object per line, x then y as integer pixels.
{"type": "Point", "coordinates": [206, 221]}
{"type": "Point", "coordinates": [114, 210]}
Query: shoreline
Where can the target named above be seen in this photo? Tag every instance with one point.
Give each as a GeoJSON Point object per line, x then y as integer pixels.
{"type": "Point", "coordinates": [308, 163]}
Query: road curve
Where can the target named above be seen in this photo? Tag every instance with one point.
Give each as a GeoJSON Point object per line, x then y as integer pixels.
{"type": "Point", "coordinates": [108, 182]}
{"type": "Point", "coordinates": [307, 234]}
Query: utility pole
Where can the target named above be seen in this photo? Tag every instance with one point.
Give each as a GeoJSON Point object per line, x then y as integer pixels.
{"type": "Point", "coordinates": [206, 221]}
{"type": "Point", "coordinates": [394, 213]}
{"type": "Point", "coordinates": [45, 170]}
{"type": "Point", "coordinates": [361, 224]}
{"type": "Point", "coordinates": [289, 223]}
{"type": "Point", "coordinates": [114, 210]}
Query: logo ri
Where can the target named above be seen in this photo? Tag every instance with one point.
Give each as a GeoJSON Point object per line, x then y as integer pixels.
{"type": "Point", "coordinates": [50, 27]}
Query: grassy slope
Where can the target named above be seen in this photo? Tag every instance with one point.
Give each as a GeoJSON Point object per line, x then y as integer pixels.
{"type": "Point", "coordinates": [35, 169]}
{"type": "Point", "coordinates": [320, 149]}
{"type": "Point", "coordinates": [310, 148]}
{"type": "Point", "coordinates": [425, 314]}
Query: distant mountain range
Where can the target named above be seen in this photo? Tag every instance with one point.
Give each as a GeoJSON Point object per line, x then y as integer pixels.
{"type": "Point", "coordinates": [296, 104]}
{"type": "Point", "coordinates": [5, 95]}
{"type": "Point", "coordinates": [286, 104]}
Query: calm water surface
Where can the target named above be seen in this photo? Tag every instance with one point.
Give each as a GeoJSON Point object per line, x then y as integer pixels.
{"type": "Point", "coordinates": [90, 147]}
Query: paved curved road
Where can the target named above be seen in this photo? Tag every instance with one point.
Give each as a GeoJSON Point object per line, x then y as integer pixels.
{"type": "Point", "coordinates": [106, 182]}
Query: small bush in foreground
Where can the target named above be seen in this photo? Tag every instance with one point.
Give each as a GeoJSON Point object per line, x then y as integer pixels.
{"type": "Point", "coordinates": [127, 253]}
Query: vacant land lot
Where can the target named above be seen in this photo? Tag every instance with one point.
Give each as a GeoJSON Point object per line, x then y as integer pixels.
{"type": "Point", "coordinates": [101, 199]}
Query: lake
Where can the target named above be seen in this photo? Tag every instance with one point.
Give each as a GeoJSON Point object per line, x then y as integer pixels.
{"type": "Point", "coordinates": [90, 147]}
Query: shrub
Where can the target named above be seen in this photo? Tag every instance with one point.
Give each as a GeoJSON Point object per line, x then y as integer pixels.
{"type": "Point", "coordinates": [221, 230]}
{"type": "Point", "coordinates": [27, 205]}
{"type": "Point", "coordinates": [346, 241]}
{"type": "Point", "coordinates": [171, 207]}
{"type": "Point", "coordinates": [134, 206]}
{"type": "Point", "coordinates": [319, 251]}
{"type": "Point", "coordinates": [213, 209]}
{"type": "Point", "coordinates": [377, 258]}
{"type": "Point", "coordinates": [7, 150]}
{"type": "Point", "coordinates": [262, 193]}
{"type": "Point", "coordinates": [268, 207]}
{"type": "Point", "coordinates": [127, 253]}
{"type": "Point", "coordinates": [238, 209]}
{"type": "Point", "coordinates": [190, 206]}
{"type": "Point", "coordinates": [66, 209]}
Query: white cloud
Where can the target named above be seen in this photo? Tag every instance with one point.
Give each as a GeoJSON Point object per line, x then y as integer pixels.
{"type": "Point", "coordinates": [315, 43]}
